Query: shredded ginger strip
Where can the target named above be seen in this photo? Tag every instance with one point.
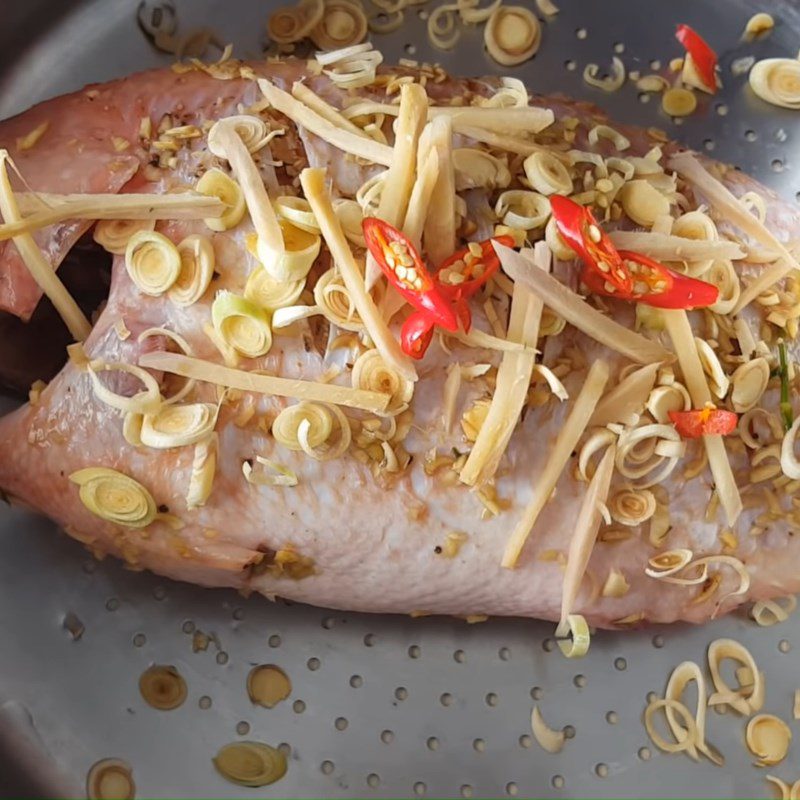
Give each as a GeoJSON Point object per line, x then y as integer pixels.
{"type": "Point", "coordinates": [38, 266]}
{"type": "Point", "coordinates": [565, 443]}
{"type": "Point", "coordinates": [177, 364]}
{"type": "Point", "coordinates": [513, 380]}
{"type": "Point", "coordinates": [680, 332]}
{"type": "Point", "coordinates": [439, 231]}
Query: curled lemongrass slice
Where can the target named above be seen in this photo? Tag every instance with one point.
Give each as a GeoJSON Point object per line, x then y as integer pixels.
{"type": "Point", "coordinates": [758, 24]}
{"type": "Point", "coordinates": [132, 428]}
{"type": "Point", "coordinates": [216, 183]}
{"type": "Point", "coordinates": [643, 203]}
{"type": "Point", "coordinates": [267, 292]}
{"type": "Point", "coordinates": [471, 14]}
{"type": "Point", "coordinates": [250, 763]}
{"type": "Point", "coordinates": [110, 779]}
{"type": "Point", "coordinates": [331, 295]}
{"type": "Point", "coordinates": [612, 82]}
{"type": "Point", "coordinates": [744, 699]}
{"type": "Point", "coordinates": [683, 674]}
{"type": "Point", "coordinates": [678, 102]}
{"type": "Point", "coordinates": [597, 441]}
{"type": "Point", "coordinates": [145, 402]}
{"type": "Point", "coordinates": [524, 210]}
{"type": "Point", "coordinates": [272, 475]}
{"type": "Point", "coordinates": [771, 612]}
{"type": "Point", "coordinates": [185, 348]}
{"type": "Point", "coordinates": [297, 211]}
{"type": "Point", "coordinates": [749, 384]}
{"type": "Point", "coordinates": [372, 373]}
{"type": "Point", "coordinates": [178, 425]}
{"type": "Point", "coordinates": [113, 234]}
{"type": "Point", "coordinates": [598, 132]}
{"type": "Point", "coordinates": [242, 324]}
{"type": "Point", "coordinates": [355, 70]}
{"type": "Point", "coordinates": [268, 685]}
{"type": "Point", "coordinates": [560, 249]}
{"type": "Point", "coordinates": [768, 738]}
{"type": "Point", "coordinates": [343, 24]}
{"type": "Point", "coordinates": [476, 169]}
{"type": "Point", "coordinates": [152, 261]}
{"type": "Point", "coordinates": [115, 497]}
{"type": "Point", "coordinates": [309, 426]}
{"type": "Point", "coordinates": [573, 638]}
{"type": "Point", "coordinates": [689, 735]}
{"type": "Point", "coordinates": [442, 28]}
{"type": "Point", "coordinates": [769, 428]}
{"type": "Point", "coordinates": [616, 585]}
{"type": "Point", "coordinates": [724, 276]}
{"type": "Point", "coordinates": [204, 468]}
{"type": "Point", "coordinates": [698, 226]}
{"type": "Point", "coordinates": [512, 35]}
{"type": "Point", "coordinates": [651, 83]}
{"type": "Point", "coordinates": [301, 251]}
{"type": "Point", "coordinates": [664, 399]}
{"type": "Point", "coordinates": [550, 740]}
{"type": "Point", "coordinates": [645, 455]}
{"type": "Point", "coordinates": [197, 268]}
{"type": "Point", "coordinates": [547, 175]}
{"type": "Point", "coordinates": [719, 382]}
{"type": "Point", "coordinates": [162, 687]}
{"type": "Point", "coordinates": [251, 130]}
{"type": "Point", "coordinates": [668, 563]}
{"type": "Point", "coordinates": [632, 506]}
{"type": "Point", "coordinates": [789, 463]}
{"type": "Point", "coordinates": [777, 80]}
{"type": "Point", "coordinates": [285, 25]}
{"type": "Point", "coordinates": [350, 216]}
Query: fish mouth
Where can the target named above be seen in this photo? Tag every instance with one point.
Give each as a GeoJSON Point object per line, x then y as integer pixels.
{"type": "Point", "coordinates": [36, 349]}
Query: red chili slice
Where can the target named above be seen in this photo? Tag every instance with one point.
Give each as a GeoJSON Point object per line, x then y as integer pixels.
{"type": "Point", "coordinates": [703, 56]}
{"type": "Point", "coordinates": [704, 422]}
{"type": "Point", "coordinates": [416, 334]}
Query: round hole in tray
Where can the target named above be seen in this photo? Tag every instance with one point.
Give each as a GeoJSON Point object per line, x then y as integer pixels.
{"type": "Point", "coordinates": [446, 699]}
{"type": "Point", "coordinates": [536, 693]}
{"type": "Point", "coordinates": [750, 135]}
{"type": "Point", "coordinates": [644, 753]}
{"type": "Point", "coordinates": [612, 718]}
{"type": "Point", "coordinates": [238, 614]}
{"type": "Point", "coordinates": [579, 681]}
{"type": "Point", "coordinates": [387, 736]}
{"type": "Point", "coordinates": [298, 706]}
{"type": "Point", "coordinates": [466, 790]}
{"type": "Point", "coordinates": [285, 749]}
{"type": "Point", "coordinates": [548, 644]}
{"type": "Point", "coordinates": [619, 47]}
{"type": "Point", "coordinates": [601, 770]}
{"type": "Point", "coordinates": [570, 65]}
{"type": "Point", "coordinates": [222, 658]}
{"type": "Point", "coordinates": [784, 645]}
{"type": "Point", "coordinates": [410, 49]}
{"type": "Point", "coordinates": [356, 681]}
{"type": "Point", "coordinates": [459, 656]}
{"type": "Point", "coordinates": [340, 723]}
{"type": "Point", "coordinates": [328, 622]}
{"type": "Point", "coordinates": [188, 627]}
{"type": "Point", "coordinates": [112, 604]}
{"type": "Point", "coordinates": [479, 745]}
{"type": "Point", "coordinates": [512, 790]}
{"type": "Point", "coordinates": [204, 702]}
{"type": "Point", "coordinates": [420, 788]}
{"type": "Point", "coordinates": [401, 693]}
{"type": "Point", "coordinates": [525, 741]}
{"type": "Point", "coordinates": [243, 728]}
{"type": "Point", "coordinates": [504, 653]}
{"type": "Point", "coordinates": [777, 165]}
{"type": "Point", "coordinates": [313, 664]}
{"type": "Point", "coordinates": [369, 639]}
{"type": "Point", "coordinates": [721, 109]}
{"type": "Point", "coordinates": [373, 780]}
{"type": "Point", "coordinates": [581, 33]}
{"type": "Point", "coordinates": [414, 651]}
{"type": "Point", "coordinates": [620, 664]}
{"type": "Point", "coordinates": [557, 781]}
{"type": "Point", "coordinates": [159, 593]}
{"type": "Point", "coordinates": [569, 731]}
{"type": "Point", "coordinates": [658, 641]}
{"type": "Point", "coordinates": [432, 743]}
{"type": "Point", "coordinates": [139, 640]}
{"type": "Point", "coordinates": [709, 144]}
{"type": "Point", "coordinates": [492, 699]}
{"type": "Point", "coordinates": [644, 97]}
{"type": "Point", "coordinates": [274, 640]}
{"type": "Point", "coordinates": [326, 767]}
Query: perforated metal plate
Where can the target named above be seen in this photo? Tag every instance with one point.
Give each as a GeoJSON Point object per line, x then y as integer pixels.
{"type": "Point", "coordinates": [381, 707]}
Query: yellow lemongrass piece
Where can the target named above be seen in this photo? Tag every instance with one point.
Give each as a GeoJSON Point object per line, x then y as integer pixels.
{"type": "Point", "coordinates": [573, 637]}
{"type": "Point", "coordinates": [335, 302]}
{"type": "Point", "coordinates": [689, 735]}
{"type": "Point", "coordinates": [301, 114]}
{"type": "Point", "coordinates": [476, 169]}
{"type": "Point", "coordinates": [241, 324]}
{"type": "Point", "coordinates": [301, 249]}
{"type": "Point", "coordinates": [718, 380]}
{"type": "Point", "coordinates": [145, 402]}
{"type": "Point", "coordinates": [598, 132]}
{"type": "Point", "coordinates": [616, 585]}
{"type": "Point", "coordinates": [768, 738]}
{"type": "Point", "coordinates": [675, 248]}
{"type": "Point", "coordinates": [512, 35]}
{"type": "Point", "coordinates": [471, 14]}
{"type": "Point", "coordinates": [186, 349]}
{"type": "Point", "coordinates": [273, 475]}
{"type": "Point", "coordinates": [556, 387]}
{"type": "Point", "coordinates": [587, 525]}
{"type": "Point", "coordinates": [350, 215]}
{"type": "Point", "coordinates": [547, 175]}
{"type": "Point", "coordinates": [668, 563]}
{"type": "Point", "coordinates": [115, 497]}
{"type": "Point", "coordinates": [198, 261]}
{"type": "Point", "coordinates": [579, 313]}
{"type": "Point", "coordinates": [39, 267]}
{"type": "Point", "coordinates": [522, 209]}
{"type": "Point", "coordinates": [783, 787]}
{"type": "Point", "coordinates": [678, 102]}
{"type": "Point", "coordinates": [152, 261]}
{"type": "Point", "coordinates": [286, 25]}
{"type": "Point", "coordinates": [749, 383]}
{"type": "Point", "coordinates": [724, 276]}
{"type": "Point", "coordinates": [178, 425]}
{"type": "Point", "coordinates": [251, 764]}
{"type": "Point", "coordinates": [615, 79]}
{"type": "Point", "coordinates": [627, 398]}
{"type": "Point", "coordinates": [685, 673]}
{"type": "Point", "coordinates": [132, 428]}
{"type": "Point", "coordinates": [565, 443]}
{"type": "Point", "coordinates": [297, 211]}
{"type": "Point", "coordinates": [452, 384]}
{"type": "Point", "coordinates": [632, 506]}
{"type": "Point", "coordinates": [598, 440]}
{"type": "Point", "coordinates": [343, 24]}
{"type": "Point", "coordinates": [264, 384]}
{"type": "Point", "coordinates": [204, 468]}
{"type": "Point", "coordinates": [789, 463]}
{"type": "Point", "coordinates": [216, 183]}
{"type": "Point", "coordinates": [439, 230]}
{"type": "Point", "coordinates": [651, 83]}
{"type": "Point", "coordinates": [313, 182]}
{"type": "Point", "coordinates": [559, 248]}
{"type": "Point", "coordinates": [110, 779]}
{"type": "Point", "coordinates": [31, 139]}
{"type": "Point", "coordinates": [745, 700]}
{"type": "Point", "coordinates": [777, 80]}
{"type": "Point", "coordinates": [163, 687]}
{"type": "Point", "coordinates": [267, 292]}
{"type": "Point", "coordinates": [286, 426]}
{"type": "Point", "coordinates": [113, 234]}
{"type": "Point", "coordinates": [550, 740]}
{"type": "Point", "coordinates": [643, 203]}
{"type": "Point", "coordinates": [648, 454]}
{"type": "Point", "coordinates": [757, 24]}
{"type": "Point", "coordinates": [372, 373]}
{"type": "Point", "coordinates": [419, 205]}
{"type": "Point", "coordinates": [664, 399]}
{"type": "Point", "coordinates": [771, 612]}
{"type": "Point", "coordinates": [698, 226]}
{"type": "Point", "coordinates": [309, 98]}
{"type": "Point", "coordinates": [356, 69]}
{"type": "Point", "coordinates": [442, 31]}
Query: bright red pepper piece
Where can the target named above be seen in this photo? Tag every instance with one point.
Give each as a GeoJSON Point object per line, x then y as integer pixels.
{"type": "Point", "coordinates": [704, 58]}
{"type": "Point", "coordinates": [579, 229]}
{"type": "Point", "coordinates": [655, 284]}
{"type": "Point", "coordinates": [704, 422]}
{"type": "Point", "coordinates": [404, 269]}
{"type": "Point", "coordinates": [476, 269]}
{"type": "Point", "coordinates": [416, 334]}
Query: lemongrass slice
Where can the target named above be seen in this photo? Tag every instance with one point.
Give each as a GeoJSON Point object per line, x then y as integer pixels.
{"type": "Point", "coordinates": [110, 779]}
{"type": "Point", "coordinates": [355, 71]}
{"type": "Point", "coordinates": [216, 183]}
{"type": "Point", "coordinates": [565, 443]}
{"type": "Point", "coordinates": [297, 211]}
{"type": "Point", "coordinates": [777, 80]}
{"type": "Point", "coordinates": [335, 302]}
{"type": "Point", "coordinates": [789, 463]}
{"type": "Point", "coordinates": [115, 497]}
{"type": "Point", "coordinates": [744, 700]}
{"type": "Point", "coordinates": [132, 428]}
{"type": "Point", "coordinates": [185, 348]}
{"type": "Point", "coordinates": [152, 261]}
{"type": "Point", "coordinates": [286, 25]}
{"type": "Point", "coordinates": [113, 234]}
{"type": "Point", "coordinates": [178, 425]}
{"type": "Point", "coordinates": [627, 398]}
{"type": "Point", "coordinates": [309, 427]}
{"type": "Point", "coordinates": [768, 738]}
{"type": "Point", "coordinates": [771, 612]}
{"type": "Point", "coordinates": [343, 24]}
{"type": "Point", "coordinates": [524, 210]}
{"type": "Point", "coordinates": [512, 35]}
{"type": "Point", "coordinates": [573, 637]}
{"type": "Point", "coordinates": [651, 83]}
{"type": "Point", "coordinates": [439, 230]}
{"type": "Point", "coordinates": [578, 312]}
{"type": "Point", "coordinates": [163, 687]}
{"type": "Point", "coordinates": [663, 399]}
{"type": "Point", "coordinates": [319, 106]}
{"type": "Point", "coordinates": [245, 381]}
{"type": "Point", "coordinates": [301, 251]}
{"type": "Point", "coordinates": [251, 764]}
{"type": "Point", "coordinates": [198, 260]}
{"type": "Point", "coordinates": [242, 324]}
{"type": "Point", "coordinates": [547, 175]}
{"type": "Point", "coordinates": [598, 132]}
{"type": "Point", "coordinates": [643, 203]}
{"type": "Point", "coordinates": [442, 31]}
{"type": "Point", "coordinates": [559, 248]}
{"type": "Point", "coordinates": [718, 380]}
{"type": "Point", "coordinates": [614, 81]}
{"type": "Point", "coordinates": [668, 563]}
{"type": "Point", "coordinates": [783, 787]}
{"type": "Point", "coordinates": [204, 468]}
{"type": "Point", "coordinates": [697, 226]}
{"type": "Point", "coordinates": [749, 383]}
{"type": "Point", "coordinates": [678, 102]}
{"type": "Point", "coordinates": [268, 293]}
{"type": "Point", "coordinates": [373, 374]}
{"type": "Point", "coordinates": [689, 735]}
{"type": "Point", "coordinates": [273, 474]}
{"type": "Point", "coordinates": [552, 741]}
{"type": "Point", "coordinates": [724, 276]}
{"type": "Point", "coordinates": [757, 24]}
{"type": "Point", "coordinates": [145, 402]}
{"type": "Point", "coordinates": [685, 673]}
{"type": "Point", "coordinates": [350, 216]}
{"type": "Point", "coordinates": [476, 169]}
{"type": "Point", "coordinates": [631, 506]}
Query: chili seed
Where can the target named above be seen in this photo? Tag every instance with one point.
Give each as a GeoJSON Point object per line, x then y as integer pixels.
{"type": "Point", "coordinates": [401, 272]}
{"type": "Point", "coordinates": [475, 249]}
{"type": "Point", "coordinates": [411, 275]}
{"type": "Point", "coordinates": [603, 267]}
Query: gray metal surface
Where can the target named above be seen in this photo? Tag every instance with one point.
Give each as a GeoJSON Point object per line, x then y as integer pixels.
{"type": "Point", "coordinates": [381, 707]}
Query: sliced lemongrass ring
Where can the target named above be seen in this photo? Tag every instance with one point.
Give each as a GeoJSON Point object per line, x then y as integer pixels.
{"type": "Point", "coordinates": [573, 637]}
{"type": "Point", "coordinates": [350, 216]}
{"type": "Point", "coordinates": [777, 80]}
{"type": "Point", "coordinates": [251, 130]}
{"type": "Point", "coordinates": [250, 764]}
{"type": "Point", "coordinates": [372, 373]}
{"type": "Point", "coordinates": [749, 383]}
{"type": "Point", "coordinates": [300, 253]}
{"type": "Point", "coordinates": [343, 24]}
{"type": "Point", "coordinates": [132, 428]}
{"type": "Point", "coordinates": [152, 261]}
{"type": "Point", "coordinates": [178, 425]}
{"type": "Point", "coordinates": [512, 35]}
{"type": "Point", "coordinates": [768, 738]}
{"type": "Point", "coordinates": [285, 317]}
{"type": "Point", "coordinates": [241, 324]}
{"type": "Point", "coordinates": [668, 563]}
{"type": "Point", "coordinates": [287, 424]}
{"type": "Point", "coordinates": [329, 450]}
{"type": "Point", "coordinates": [204, 468]}
{"type": "Point", "coordinates": [678, 102]}
{"type": "Point", "coordinates": [110, 779]}
{"type": "Point", "coordinates": [113, 234]}
{"type": "Point", "coordinates": [185, 348]}
{"type": "Point", "coordinates": [550, 740]}
{"type": "Point", "coordinates": [216, 183]}
{"type": "Point", "coordinates": [524, 210]}
{"type": "Point", "coordinates": [197, 268]}
{"type": "Point", "coordinates": [297, 211]}
{"type": "Point", "coordinates": [163, 687]}
{"type": "Point", "coordinates": [145, 402]}
{"type": "Point", "coordinates": [331, 295]}
{"type": "Point", "coordinates": [115, 497]}
{"type": "Point", "coordinates": [269, 293]}
{"type": "Point", "coordinates": [547, 175]}
{"type": "Point", "coordinates": [643, 203]}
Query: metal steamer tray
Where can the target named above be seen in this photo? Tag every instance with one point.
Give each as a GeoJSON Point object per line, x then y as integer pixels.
{"type": "Point", "coordinates": [381, 706]}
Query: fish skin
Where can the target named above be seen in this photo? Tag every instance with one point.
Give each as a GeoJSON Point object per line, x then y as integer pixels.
{"type": "Point", "coordinates": [373, 546]}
